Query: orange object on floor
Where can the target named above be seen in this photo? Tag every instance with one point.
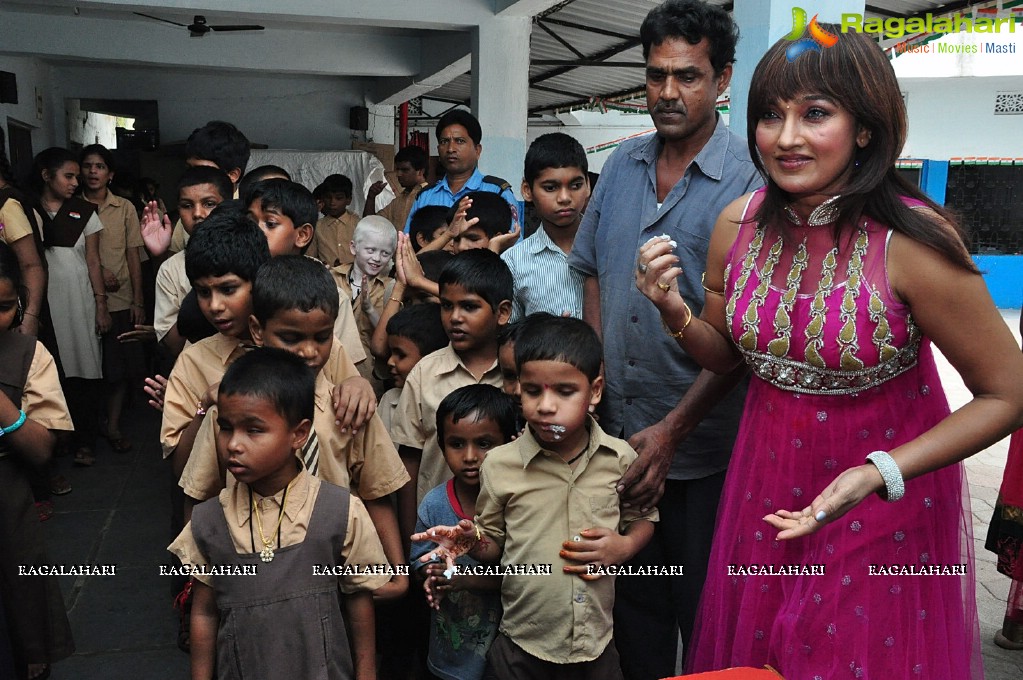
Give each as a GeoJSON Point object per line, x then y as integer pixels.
{"type": "Point", "coordinates": [734, 674]}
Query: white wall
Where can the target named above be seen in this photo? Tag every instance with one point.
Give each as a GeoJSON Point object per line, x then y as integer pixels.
{"type": "Point", "coordinates": [283, 112]}
{"type": "Point", "coordinates": [953, 117]}
{"type": "Point", "coordinates": [32, 75]}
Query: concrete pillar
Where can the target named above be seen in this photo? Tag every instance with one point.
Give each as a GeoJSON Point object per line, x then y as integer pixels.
{"type": "Point", "coordinates": [500, 94]}
{"type": "Point", "coordinates": [761, 24]}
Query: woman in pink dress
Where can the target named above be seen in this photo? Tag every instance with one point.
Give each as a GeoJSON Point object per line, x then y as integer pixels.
{"type": "Point", "coordinates": [843, 546]}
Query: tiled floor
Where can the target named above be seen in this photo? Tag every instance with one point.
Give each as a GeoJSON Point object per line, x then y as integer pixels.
{"type": "Point", "coordinates": [118, 514]}
{"type": "Point", "coordinates": [984, 472]}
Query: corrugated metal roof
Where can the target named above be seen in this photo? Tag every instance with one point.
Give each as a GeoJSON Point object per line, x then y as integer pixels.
{"type": "Point", "coordinates": [608, 30]}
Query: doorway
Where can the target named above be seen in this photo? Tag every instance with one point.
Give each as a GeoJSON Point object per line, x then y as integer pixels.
{"type": "Point", "coordinates": [19, 149]}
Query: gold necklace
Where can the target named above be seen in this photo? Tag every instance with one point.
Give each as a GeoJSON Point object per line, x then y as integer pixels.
{"type": "Point", "coordinates": [825, 213]}
{"type": "Point", "coordinates": [267, 553]}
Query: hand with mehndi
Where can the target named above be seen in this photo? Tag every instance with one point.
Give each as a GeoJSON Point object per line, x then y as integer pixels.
{"type": "Point", "coordinates": [452, 542]}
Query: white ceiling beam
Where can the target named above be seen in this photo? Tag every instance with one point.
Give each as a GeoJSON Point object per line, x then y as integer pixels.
{"type": "Point", "coordinates": [435, 14]}
{"type": "Point", "coordinates": [523, 8]}
{"type": "Point", "coordinates": [149, 42]}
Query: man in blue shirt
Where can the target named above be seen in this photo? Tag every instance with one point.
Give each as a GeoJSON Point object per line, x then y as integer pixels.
{"type": "Point", "coordinates": [681, 421]}
{"type": "Point", "coordinates": [458, 149]}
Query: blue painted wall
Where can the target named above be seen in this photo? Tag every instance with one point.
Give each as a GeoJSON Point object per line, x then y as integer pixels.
{"type": "Point", "coordinates": [1004, 277]}
{"type": "Point", "coordinates": [1002, 273]}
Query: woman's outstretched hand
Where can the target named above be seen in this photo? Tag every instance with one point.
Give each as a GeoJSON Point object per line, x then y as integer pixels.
{"type": "Point", "coordinates": [838, 498]}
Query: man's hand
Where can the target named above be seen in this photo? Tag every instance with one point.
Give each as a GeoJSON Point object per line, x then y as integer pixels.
{"type": "Point", "coordinates": [156, 233]}
{"type": "Point", "coordinates": [354, 403]}
{"type": "Point", "coordinates": [642, 484]}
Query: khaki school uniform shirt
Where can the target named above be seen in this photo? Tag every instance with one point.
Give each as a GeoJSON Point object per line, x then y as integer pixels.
{"type": "Point", "coordinates": [379, 290]}
{"type": "Point", "coordinates": [361, 545]}
{"type": "Point", "coordinates": [367, 463]}
{"type": "Point", "coordinates": [197, 367]}
{"type": "Point", "coordinates": [42, 399]}
{"type": "Point", "coordinates": [530, 502]}
{"type": "Point", "coordinates": [120, 231]}
{"type": "Point", "coordinates": [15, 225]}
{"type": "Point", "coordinates": [397, 210]}
{"type": "Point", "coordinates": [332, 244]}
{"type": "Point", "coordinates": [204, 363]}
{"type": "Point", "coordinates": [387, 406]}
{"type": "Point", "coordinates": [435, 376]}
{"type": "Point", "coordinates": [172, 285]}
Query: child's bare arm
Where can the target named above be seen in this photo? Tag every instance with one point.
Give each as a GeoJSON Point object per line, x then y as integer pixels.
{"type": "Point", "coordinates": [378, 343]}
{"type": "Point", "coordinates": [32, 442]}
{"type": "Point", "coordinates": [362, 631]}
{"type": "Point", "coordinates": [411, 457]}
{"type": "Point", "coordinates": [184, 448]}
{"type": "Point", "coordinates": [602, 546]}
{"type": "Point", "coordinates": [204, 624]}
{"type": "Point", "coordinates": [385, 520]}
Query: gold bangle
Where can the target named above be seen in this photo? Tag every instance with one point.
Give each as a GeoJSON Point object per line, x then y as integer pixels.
{"type": "Point", "coordinates": [678, 334]}
{"type": "Point", "coordinates": [703, 282]}
{"type": "Point", "coordinates": [479, 534]}
{"type": "Point", "coordinates": [401, 305]}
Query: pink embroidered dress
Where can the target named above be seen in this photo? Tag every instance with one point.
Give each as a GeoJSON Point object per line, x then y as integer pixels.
{"type": "Point", "coordinates": [840, 370]}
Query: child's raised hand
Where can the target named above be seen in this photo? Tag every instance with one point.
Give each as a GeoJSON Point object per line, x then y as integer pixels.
{"type": "Point", "coordinates": [156, 387]}
{"type": "Point", "coordinates": [597, 546]}
{"type": "Point", "coordinates": [410, 272]}
{"type": "Point", "coordinates": [354, 403]}
{"type": "Point", "coordinates": [503, 242]}
{"type": "Point", "coordinates": [459, 223]}
{"type": "Point", "coordinates": [156, 233]}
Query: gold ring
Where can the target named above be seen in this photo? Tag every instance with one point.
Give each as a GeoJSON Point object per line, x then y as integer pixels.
{"type": "Point", "coordinates": [664, 286]}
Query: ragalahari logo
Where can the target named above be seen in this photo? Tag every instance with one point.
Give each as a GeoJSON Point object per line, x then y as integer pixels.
{"type": "Point", "coordinates": [806, 36]}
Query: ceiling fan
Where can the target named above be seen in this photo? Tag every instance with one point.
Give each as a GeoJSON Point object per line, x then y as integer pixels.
{"type": "Point", "coordinates": [198, 28]}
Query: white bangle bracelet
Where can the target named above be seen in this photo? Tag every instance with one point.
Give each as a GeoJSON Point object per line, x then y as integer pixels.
{"type": "Point", "coordinates": [895, 486]}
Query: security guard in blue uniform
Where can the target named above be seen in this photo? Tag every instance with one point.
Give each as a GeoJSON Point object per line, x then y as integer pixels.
{"type": "Point", "coordinates": [459, 148]}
